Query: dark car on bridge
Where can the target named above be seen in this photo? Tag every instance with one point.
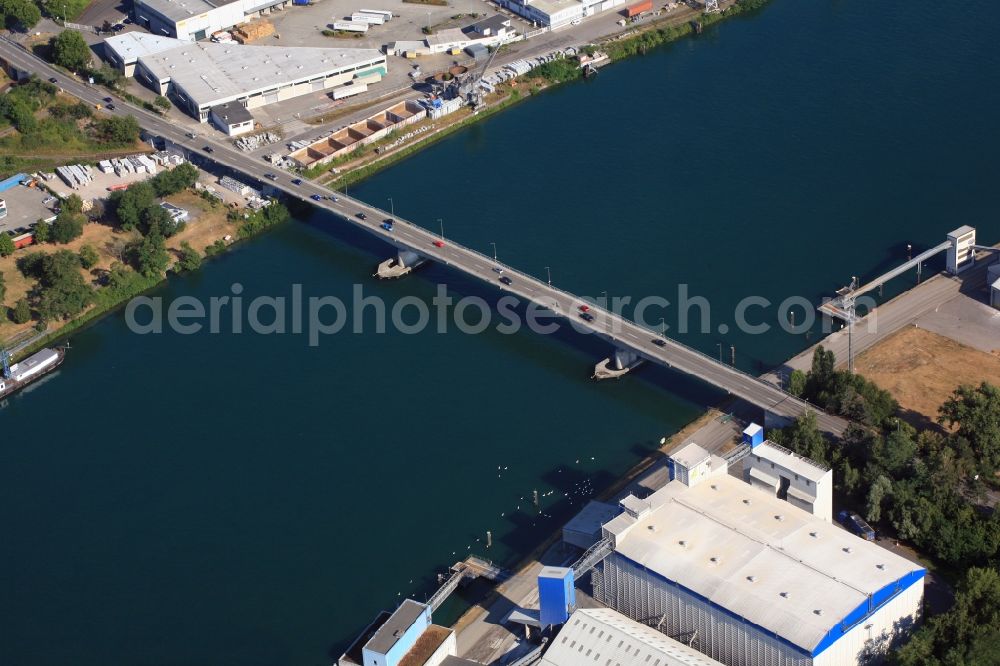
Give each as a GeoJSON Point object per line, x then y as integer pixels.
{"type": "Point", "coordinates": [586, 316]}
{"type": "Point", "coordinates": [296, 181]}
{"type": "Point", "coordinates": [270, 176]}
{"type": "Point", "coordinates": [660, 342]}
{"type": "Point", "coordinates": [506, 280]}
{"type": "Point", "coordinates": [387, 225]}
{"type": "Point", "coordinates": [361, 216]}
{"type": "Point", "coordinates": [209, 149]}
{"type": "Point", "coordinates": [316, 197]}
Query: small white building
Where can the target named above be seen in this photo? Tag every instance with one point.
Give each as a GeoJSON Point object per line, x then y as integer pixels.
{"type": "Point", "coordinates": [232, 118]}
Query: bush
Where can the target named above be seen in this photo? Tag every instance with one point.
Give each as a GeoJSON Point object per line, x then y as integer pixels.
{"type": "Point", "coordinates": [190, 259]}
{"type": "Point", "coordinates": [68, 226]}
{"type": "Point", "coordinates": [162, 102]}
{"type": "Point", "coordinates": [19, 14]}
{"type": "Point", "coordinates": [42, 231]}
{"type": "Point", "coordinates": [21, 312]}
{"type": "Point", "coordinates": [6, 245]}
{"type": "Point", "coordinates": [88, 257]}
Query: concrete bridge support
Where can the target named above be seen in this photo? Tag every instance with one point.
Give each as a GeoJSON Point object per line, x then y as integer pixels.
{"type": "Point", "coordinates": [404, 262]}
{"type": "Point", "coordinates": [616, 365]}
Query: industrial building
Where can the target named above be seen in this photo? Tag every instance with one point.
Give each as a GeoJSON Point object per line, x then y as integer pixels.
{"type": "Point", "coordinates": [489, 32]}
{"type": "Point", "coordinates": [200, 76]}
{"type": "Point", "coordinates": [406, 637]}
{"type": "Point", "coordinates": [557, 13]}
{"type": "Point", "coordinates": [192, 20]}
{"type": "Point", "coordinates": [993, 284]}
{"type": "Point", "coordinates": [602, 636]}
{"type": "Point", "coordinates": [748, 577]}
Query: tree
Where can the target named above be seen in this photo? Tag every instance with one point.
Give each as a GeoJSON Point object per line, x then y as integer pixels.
{"type": "Point", "coordinates": [150, 255]}
{"type": "Point", "coordinates": [68, 226]}
{"type": "Point", "coordinates": [42, 231]}
{"type": "Point", "coordinates": [156, 219]}
{"type": "Point", "coordinates": [879, 491]}
{"type": "Point", "coordinates": [162, 102]}
{"type": "Point", "coordinates": [174, 180]}
{"type": "Point", "coordinates": [804, 438]}
{"type": "Point", "coordinates": [70, 50]}
{"type": "Point", "coordinates": [73, 204]}
{"type": "Point", "coordinates": [797, 382]}
{"type": "Point", "coordinates": [21, 312]}
{"type": "Point", "coordinates": [129, 205]}
{"type": "Point", "coordinates": [88, 257]}
{"type": "Point", "coordinates": [976, 410]}
{"type": "Point", "coordinates": [61, 292]}
{"type": "Point", "coordinates": [190, 259]}
{"type": "Point", "coordinates": [21, 14]}
{"type": "Point", "coordinates": [6, 245]}
{"type": "Point", "coordinates": [117, 130]}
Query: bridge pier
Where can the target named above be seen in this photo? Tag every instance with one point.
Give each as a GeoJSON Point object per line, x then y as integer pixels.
{"type": "Point", "coordinates": [400, 265]}
{"type": "Point", "coordinates": [616, 365]}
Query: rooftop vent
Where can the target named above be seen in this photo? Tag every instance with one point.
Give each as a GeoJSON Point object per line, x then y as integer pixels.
{"type": "Point", "coordinates": [714, 487]}
{"type": "Point", "coordinates": [682, 543]}
{"type": "Point", "coordinates": [880, 567]}
{"type": "Point", "coordinates": [818, 611]}
{"type": "Point", "coordinates": [651, 528]}
{"type": "Point", "coordinates": [814, 535]}
{"type": "Point", "coordinates": [714, 559]}
{"type": "Point", "coordinates": [786, 595]}
{"type": "Point", "coordinates": [779, 517]}
{"type": "Point", "coordinates": [752, 579]}
{"type": "Point", "coordinates": [848, 549]}
{"type": "Point", "coordinates": [747, 502]}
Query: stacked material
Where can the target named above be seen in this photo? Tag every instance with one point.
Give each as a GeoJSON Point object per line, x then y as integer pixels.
{"type": "Point", "coordinates": [253, 31]}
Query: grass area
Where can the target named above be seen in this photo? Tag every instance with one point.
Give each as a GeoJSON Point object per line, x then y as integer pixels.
{"type": "Point", "coordinates": [921, 370]}
{"type": "Point", "coordinates": [65, 9]}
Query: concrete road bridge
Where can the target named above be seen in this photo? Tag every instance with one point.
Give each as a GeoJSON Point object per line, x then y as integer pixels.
{"type": "Point", "coordinates": [630, 342]}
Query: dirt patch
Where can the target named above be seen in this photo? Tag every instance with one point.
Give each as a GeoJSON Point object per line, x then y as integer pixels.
{"type": "Point", "coordinates": [921, 370]}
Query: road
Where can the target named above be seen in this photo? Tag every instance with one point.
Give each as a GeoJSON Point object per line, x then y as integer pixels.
{"type": "Point", "coordinates": [610, 326]}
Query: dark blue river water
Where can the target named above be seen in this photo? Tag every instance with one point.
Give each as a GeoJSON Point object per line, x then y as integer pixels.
{"type": "Point", "coordinates": [248, 499]}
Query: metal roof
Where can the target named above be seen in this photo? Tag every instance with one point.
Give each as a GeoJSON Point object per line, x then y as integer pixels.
{"type": "Point", "coordinates": [757, 557]}
{"type": "Point", "coordinates": [397, 624]}
{"type": "Point", "coordinates": [605, 637]}
{"type": "Point", "coordinates": [691, 455]}
{"type": "Point", "coordinates": [130, 46]}
{"type": "Point", "coordinates": [178, 10]}
{"type": "Point", "coordinates": [232, 114]}
{"type": "Point", "coordinates": [212, 73]}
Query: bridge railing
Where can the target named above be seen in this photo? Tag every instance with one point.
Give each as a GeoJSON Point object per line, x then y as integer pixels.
{"type": "Point", "coordinates": [626, 320]}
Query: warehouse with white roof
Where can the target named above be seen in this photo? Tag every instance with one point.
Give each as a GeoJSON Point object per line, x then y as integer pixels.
{"type": "Point", "coordinates": [750, 578]}
{"type": "Point", "coordinates": [604, 637]}
{"type": "Point", "coordinates": [199, 76]}
{"type": "Point", "coordinates": [193, 20]}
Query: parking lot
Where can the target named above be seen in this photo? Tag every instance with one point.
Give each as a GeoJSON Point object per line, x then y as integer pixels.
{"type": "Point", "coordinates": [25, 207]}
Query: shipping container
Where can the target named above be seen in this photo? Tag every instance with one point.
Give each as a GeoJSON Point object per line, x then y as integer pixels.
{"type": "Point", "coordinates": [638, 8]}
{"type": "Point", "coordinates": [119, 186]}
{"type": "Point", "coordinates": [348, 26]}
{"type": "Point", "coordinates": [349, 90]}
{"type": "Point", "coordinates": [378, 12]}
{"type": "Point", "coordinates": [370, 19]}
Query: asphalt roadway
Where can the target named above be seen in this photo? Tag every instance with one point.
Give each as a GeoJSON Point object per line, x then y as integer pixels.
{"type": "Point", "coordinates": [406, 235]}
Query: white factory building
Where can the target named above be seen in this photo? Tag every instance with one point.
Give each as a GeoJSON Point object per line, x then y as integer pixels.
{"type": "Point", "coordinates": [601, 636]}
{"type": "Point", "coordinates": [200, 76]}
{"type": "Point", "coordinates": [748, 578]}
{"type": "Point", "coordinates": [193, 20]}
{"type": "Point", "coordinates": [557, 13]}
